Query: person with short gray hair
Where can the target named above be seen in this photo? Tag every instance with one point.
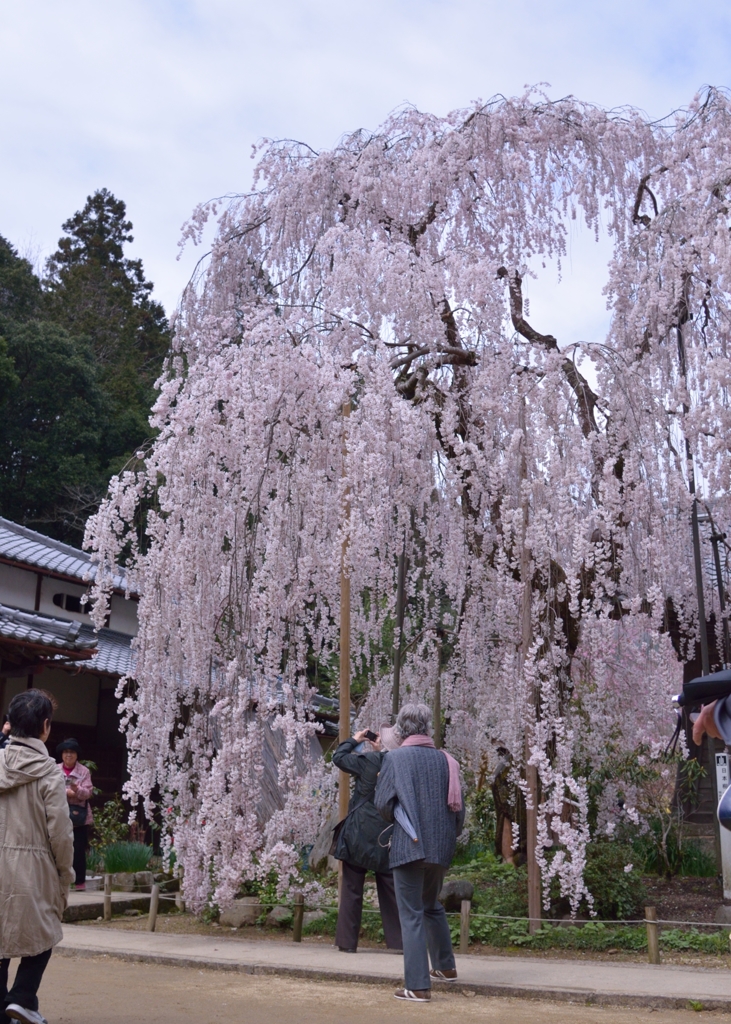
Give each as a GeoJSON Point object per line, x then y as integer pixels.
{"type": "Point", "coordinates": [424, 783]}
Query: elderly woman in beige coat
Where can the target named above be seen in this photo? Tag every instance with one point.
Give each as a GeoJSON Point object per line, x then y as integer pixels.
{"type": "Point", "coordinates": [36, 854]}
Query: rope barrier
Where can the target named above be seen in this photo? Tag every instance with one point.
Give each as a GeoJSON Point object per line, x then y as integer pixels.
{"type": "Point", "coordinates": [483, 916]}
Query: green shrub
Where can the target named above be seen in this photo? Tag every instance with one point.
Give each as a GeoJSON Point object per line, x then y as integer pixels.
{"type": "Point", "coordinates": [617, 893]}
{"type": "Point", "coordinates": [688, 858]}
{"type": "Point", "coordinates": [110, 825]}
{"type": "Point", "coordinates": [128, 857]}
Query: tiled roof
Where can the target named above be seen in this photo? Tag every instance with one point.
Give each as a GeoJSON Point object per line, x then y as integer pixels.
{"type": "Point", "coordinates": [114, 654]}
{"type": "Point", "coordinates": [31, 628]}
{"type": "Point", "coordinates": [30, 548]}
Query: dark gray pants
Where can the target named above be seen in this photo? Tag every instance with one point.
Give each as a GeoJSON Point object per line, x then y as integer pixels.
{"type": "Point", "coordinates": [351, 908]}
{"type": "Point", "coordinates": [423, 922]}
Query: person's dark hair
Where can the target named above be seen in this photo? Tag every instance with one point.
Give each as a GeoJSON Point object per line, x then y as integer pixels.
{"type": "Point", "coordinates": [69, 744]}
{"type": "Point", "coordinates": [28, 713]}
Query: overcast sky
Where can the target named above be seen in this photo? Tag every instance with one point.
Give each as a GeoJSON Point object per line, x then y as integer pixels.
{"type": "Point", "coordinates": [161, 100]}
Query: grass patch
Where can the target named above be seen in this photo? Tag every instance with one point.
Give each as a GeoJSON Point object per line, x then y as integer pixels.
{"type": "Point", "coordinates": [126, 857]}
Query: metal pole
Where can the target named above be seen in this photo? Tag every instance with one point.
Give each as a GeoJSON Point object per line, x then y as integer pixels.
{"type": "Point", "coordinates": [705, 660]}
{"type": "Point", "coordinates": [716, 538]}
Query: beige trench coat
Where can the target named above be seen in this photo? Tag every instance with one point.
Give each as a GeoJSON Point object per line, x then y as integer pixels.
{"type": "Point", "coordinates": [36, 849]}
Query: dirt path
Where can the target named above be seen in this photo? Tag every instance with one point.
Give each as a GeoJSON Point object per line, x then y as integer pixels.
{"type": "Point", "coordinates": [102, 991]}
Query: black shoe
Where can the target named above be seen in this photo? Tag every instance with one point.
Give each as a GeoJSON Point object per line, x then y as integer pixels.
{"type": "Point", "coordinates": [344, 949]}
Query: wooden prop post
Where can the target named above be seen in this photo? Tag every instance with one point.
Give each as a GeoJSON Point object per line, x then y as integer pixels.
{"type": "Point", "coordinates": [464, 927]}
{"type": "Point", "coordinates": [299, 915]}
{"type": "Point", "coordinates": [154, 904]}
{"type": "Point", "coordinates": [344, 721]}
{"type": "Point", "coordinates": [653, 944]}
{"type": "Point", "coordinates": [107, 897]}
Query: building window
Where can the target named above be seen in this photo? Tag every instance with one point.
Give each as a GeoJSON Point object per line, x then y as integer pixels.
{"type": "Point", "coordinates": [69, 602]}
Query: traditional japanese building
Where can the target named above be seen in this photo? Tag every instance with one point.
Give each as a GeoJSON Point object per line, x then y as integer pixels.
{"type": "Point", "coordinates": [47, 640]}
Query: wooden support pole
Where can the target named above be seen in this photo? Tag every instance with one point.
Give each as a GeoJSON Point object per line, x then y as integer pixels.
{"type": "Point", "coordinates": [344, 718]}
{"type": "Point", "coordinates": [531, 773]}
{"type": "Point", "coordinates": [107, 897]}
{"type": "Point", "coordinates": [154, 904]}
{"type": "Point", "coordinates": [299, 915]}
{"type": "Point", "coordinates": [398, 648]}
{"type": "Point", "coordinates": [464, 927]}
{"type": "Point", "coordinates": [653, 944]}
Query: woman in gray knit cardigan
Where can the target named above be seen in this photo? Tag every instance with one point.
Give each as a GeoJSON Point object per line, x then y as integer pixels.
{"type": "Point", "coordinates": [425, 783]}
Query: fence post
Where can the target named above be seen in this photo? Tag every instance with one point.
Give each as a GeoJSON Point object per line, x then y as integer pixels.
{"type": "Point", "coordinates": [653, 946]}
{"type": "Point", "coordinates": [464, 927]}
{"type": "Point", "coordinates": [299, 914]}
{"type": "Point", "coordinates": [154, 903]}
{"type": "Point", "coordinates": [107, 897]}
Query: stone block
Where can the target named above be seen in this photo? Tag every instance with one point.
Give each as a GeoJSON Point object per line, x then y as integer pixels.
{"type": "Point", "coordinates": [279, 917]}
{"type": "Point", "coordinates": [123, 881]}
{"type": "Point", "coordinates": [723, 915]}
{"type": "Point", "coordinates": [143, 881]}
{"type": "Point", "coordinates": [453, 892]}
{"type": "Point", "coordinates": [245, 911]}
{"type": "Point", "coordinates": [310, 916]}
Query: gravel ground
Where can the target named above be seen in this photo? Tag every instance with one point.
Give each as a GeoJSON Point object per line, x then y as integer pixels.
{"type": "Point", "coordinates": [106, 991]}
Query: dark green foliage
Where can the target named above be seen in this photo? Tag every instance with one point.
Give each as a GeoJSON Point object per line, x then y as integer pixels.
{"type": "Point", "coordinates": [52, 422]}
{"type": "Point", "coordinates": [79, 355]}
{"type": "Point", "coordinates": [617, 894]}
{"type": "Point", "coordinates": [688, 858]}
{"type": "Point", "coordinates": [110, 824]}
{"type": "Point", "coordinates": [128, 857]}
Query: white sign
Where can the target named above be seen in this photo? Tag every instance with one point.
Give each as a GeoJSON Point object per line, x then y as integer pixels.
{"type": "Point", "coordinates": [723, 778]}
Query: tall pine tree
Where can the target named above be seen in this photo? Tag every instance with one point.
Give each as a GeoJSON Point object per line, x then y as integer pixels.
{"type": "Point", "coordinates": [79, 355]}
{"type": "Point", "coordinates": [98, 294]}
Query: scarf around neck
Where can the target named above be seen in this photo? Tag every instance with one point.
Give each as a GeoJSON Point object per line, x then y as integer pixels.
{"type": "Point", "coordinates": [454, 796]}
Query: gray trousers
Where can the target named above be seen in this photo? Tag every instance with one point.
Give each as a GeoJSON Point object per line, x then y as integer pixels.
{"type": "Point", "coordinates": [423, 922]}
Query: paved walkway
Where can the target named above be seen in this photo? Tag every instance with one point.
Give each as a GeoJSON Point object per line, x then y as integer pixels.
{"type": "Point", "coordinates": [597, 982]}
{"type": "Point", "coordinates": [84, 899]}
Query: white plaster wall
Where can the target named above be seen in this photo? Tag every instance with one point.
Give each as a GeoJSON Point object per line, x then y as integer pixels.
{"type": "Point", "coordinates": [123, 615]}
{"type": "Point", "coordinates": [17, 587]}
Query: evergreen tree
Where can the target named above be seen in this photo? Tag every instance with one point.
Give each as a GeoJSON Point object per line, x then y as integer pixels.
{"type": "Point", "coordinates": [52, 416]}
{"type": "Point", "coordinates": [79, 355]}
{"type": "Point", "coordinates": [97, 293]}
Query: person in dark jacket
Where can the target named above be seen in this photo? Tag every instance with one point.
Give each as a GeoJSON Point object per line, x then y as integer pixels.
{"type": "Point", "coordinates": [362, 846]}
{"type": "Point", "coordinates": [419, 790]}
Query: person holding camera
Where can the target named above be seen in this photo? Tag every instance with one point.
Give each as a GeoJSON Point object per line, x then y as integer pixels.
{"type": "Point", "coordinates": [360, 843]}
{"type": "Point", "coordinates": [79, 790]}
{"type": "Point", "coordinates": [36, 853]}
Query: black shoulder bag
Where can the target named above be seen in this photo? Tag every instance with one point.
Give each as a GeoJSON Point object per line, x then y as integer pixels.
{"type": "Point", "coordinates": [339, 827]}
{"type": "Point", "coordinates": [77, 813]}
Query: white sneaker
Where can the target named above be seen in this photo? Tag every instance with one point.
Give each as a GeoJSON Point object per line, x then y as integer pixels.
{"type": "Point", "coordinates": [26, 1016]}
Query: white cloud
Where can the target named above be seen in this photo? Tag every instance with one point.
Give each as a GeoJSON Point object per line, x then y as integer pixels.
{"type": "Point", "coordinates": [161, 101]}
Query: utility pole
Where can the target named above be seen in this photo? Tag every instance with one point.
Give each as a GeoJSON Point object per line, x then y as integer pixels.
{"type": "Point", "coordinates": [721, 766]}
{"type": "Point", "coordinates": [721, 855]}
{"type": "Point", "coordinates": [716, 539]}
